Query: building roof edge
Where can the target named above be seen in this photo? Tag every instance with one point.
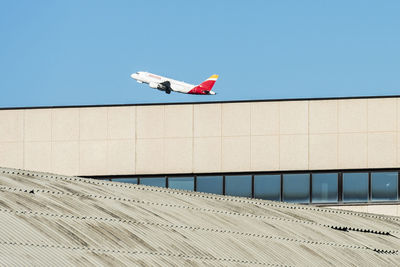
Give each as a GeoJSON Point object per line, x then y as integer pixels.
{"type": "Point", "coordinates": [205, 102]}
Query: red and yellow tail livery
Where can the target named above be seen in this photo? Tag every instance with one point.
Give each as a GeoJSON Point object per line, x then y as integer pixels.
{"type": "Point", "coordinates": [205, 87]}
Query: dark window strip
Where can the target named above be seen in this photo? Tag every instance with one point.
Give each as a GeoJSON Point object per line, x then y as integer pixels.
{"type": "Point", "coordinates": [223, 175]}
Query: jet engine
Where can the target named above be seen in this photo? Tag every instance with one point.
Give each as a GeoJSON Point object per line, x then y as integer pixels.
{"type": "Point", "coordinates": [162, 87]}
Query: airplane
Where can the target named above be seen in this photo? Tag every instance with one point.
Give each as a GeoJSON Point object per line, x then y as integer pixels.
{"type": "Point", "coordinates": [169, 85]}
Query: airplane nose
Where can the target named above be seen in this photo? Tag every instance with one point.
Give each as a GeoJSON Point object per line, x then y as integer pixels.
{"type": "Point", "coordinates": [134, 75]}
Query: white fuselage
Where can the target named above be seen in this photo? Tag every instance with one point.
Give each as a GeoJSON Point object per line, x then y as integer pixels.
{"type": "Point", "coordinates": [154, 80]}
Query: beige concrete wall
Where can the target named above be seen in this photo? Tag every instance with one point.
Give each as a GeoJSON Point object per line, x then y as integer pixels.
{"type": "Point", "coordinates": [72, 141]}
{"type": "Point", "coordinates": [221, 137]}
{"type": "Point", "coordinates": [388, 209]}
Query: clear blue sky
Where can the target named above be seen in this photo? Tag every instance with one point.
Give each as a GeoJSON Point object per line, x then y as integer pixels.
{"type": "Point", "coordinates": [82, 52]}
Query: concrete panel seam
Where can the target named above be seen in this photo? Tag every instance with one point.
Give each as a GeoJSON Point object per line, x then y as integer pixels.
{"type": "Point", "coordinates": [337, 133]}
{"type": "Point", "coordinates": [136, 137]}
{"type": "Point", "coordinates": [220, 162]}
{"type": "Point", "coordinates": [23, 139]}
{"type": "Point", "coordinates": [79, 143]}
{"type": "Point", "coordinates": [367, 132]}
{"type": "Point", "coordinates": [279, 136]}
{"type": "Point", "coordinates": [250, 139]}
{"type": "Point", "coordinates": [397, 131]}
{"type": "Point", "coordinates": [308, 135]}
{"type": "Point", "coordinates": [192, 138]}
{"type": "Point", "coordinates": [51, 138]}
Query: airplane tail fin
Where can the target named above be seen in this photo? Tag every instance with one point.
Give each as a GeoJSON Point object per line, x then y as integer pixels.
{"type": "Point", "coordinates": [208, 84]}
{"type": "Point", "coordinates": [205, 87]}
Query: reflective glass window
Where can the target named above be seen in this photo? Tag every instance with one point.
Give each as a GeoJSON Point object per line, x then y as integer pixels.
{"type": "Point", "coordinates": [355, 187]}
{"type": "Point", "coordinates": [324, 187]}
{"type": "Point", "coordinates": [209, 184]}
{"type": "Point", "coordinates": [126, 180]}
{"type": "Point", "coordinates": [267, 187]}
{"type": "Point", "coordinates": [384, 186]}
{"type": "Point", "coordinates": [296, 187]}
{"type": "Point", "coordinates": [238, 185]}
{"type": "Point", "coordinates": [184, 183]}
{"type": "Point", "coordinates": [160, 182]}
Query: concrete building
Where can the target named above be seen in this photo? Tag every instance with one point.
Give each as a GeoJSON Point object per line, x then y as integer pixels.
{"type": "Point", "coordinates": [332, 152]}
{"type": "Point", "coordinates": [54, 220]}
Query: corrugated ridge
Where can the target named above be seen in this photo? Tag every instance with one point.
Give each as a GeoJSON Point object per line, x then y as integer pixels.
{"type": "Point", "coordinates": [87, 222]}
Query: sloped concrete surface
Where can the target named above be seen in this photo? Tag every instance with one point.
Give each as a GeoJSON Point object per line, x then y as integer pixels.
{"type": "Point", "coordinates": [47, 219]}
